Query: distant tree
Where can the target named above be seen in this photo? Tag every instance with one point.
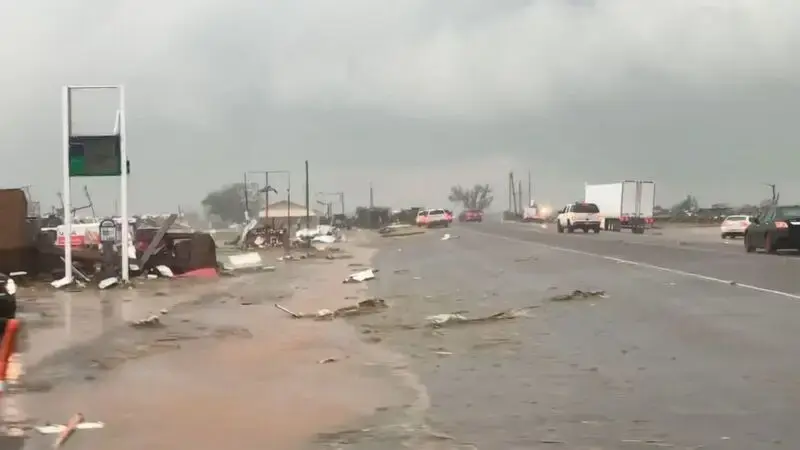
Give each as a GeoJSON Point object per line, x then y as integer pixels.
{"type": "Point", "coordinates": [687, 205]}
{"type": "Point", "coordinates": [228, 202]}
{"type": "Point", "coordinates": [479, 197]}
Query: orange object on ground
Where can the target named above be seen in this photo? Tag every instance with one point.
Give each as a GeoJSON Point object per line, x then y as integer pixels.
{"type": "Point", "coordinates": [7, 345]}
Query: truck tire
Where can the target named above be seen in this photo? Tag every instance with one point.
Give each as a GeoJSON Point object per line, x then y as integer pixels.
{"type": "Point", "coordinates": [596, 230]}
{"type": "Point", "coordinates": [559, 228]}
{"type": "Point", "coordinates": [570, 229]}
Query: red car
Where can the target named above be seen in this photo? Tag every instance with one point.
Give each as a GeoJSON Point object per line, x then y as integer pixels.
{"type": "Point", "coordinates": [471, 215]}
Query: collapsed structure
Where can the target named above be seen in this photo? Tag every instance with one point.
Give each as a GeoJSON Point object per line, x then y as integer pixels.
{"type": "Point", "coordinates": [27, 246]}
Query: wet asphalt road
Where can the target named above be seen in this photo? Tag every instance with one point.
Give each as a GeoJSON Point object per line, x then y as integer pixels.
{"type": "Point", "coordinates": [675, 356]}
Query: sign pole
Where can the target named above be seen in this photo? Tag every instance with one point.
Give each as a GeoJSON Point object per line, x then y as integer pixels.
{"type": "Point", "coordinates": [66, 126]}
{"type": "Point", "coordinates": [123, 184]}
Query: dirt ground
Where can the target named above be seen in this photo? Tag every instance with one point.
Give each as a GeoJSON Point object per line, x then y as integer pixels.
{"type": "Point", "coordinates": [226, 368]}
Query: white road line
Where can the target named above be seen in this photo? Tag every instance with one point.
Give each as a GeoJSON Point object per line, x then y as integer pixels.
{"type": "Point", "coordinates": [630, 240]}
{"type": "Point", "coordinates": [698, 276]}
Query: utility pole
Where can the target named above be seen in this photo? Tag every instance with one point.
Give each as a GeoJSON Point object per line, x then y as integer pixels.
{"type": "Point", "coordinates": [521, 209]}
{"type": "Point", "coordinates": [308, 201]}
{"type": "Point", "coordinates": [246, 200]}
{"type": "Point", "coordinates": [530, 189]}
{"type": "Point", "coordinates": [510, 190]}
{"type": "Point", "coordinates": [371, 196]}
{"type": "Point", "coordinates": [266, 197]}
{"type": "Point", "coordinates": [268, 188]}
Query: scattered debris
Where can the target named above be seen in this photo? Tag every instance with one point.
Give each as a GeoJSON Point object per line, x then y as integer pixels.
{"type": "Point", "coordinates": [164, 271]}
{"type": "Point", "coordinates": [77, 271]}
{"type": "Point", "coordinates": [440, 320]}
{"type": "Point", "coordinates": [324, 314]}
{"type": "Point", "coordinates": [152, 321]}
{"type": "Point", "coordinates": [327, 361]}
{"type": "Point", "coordinates": [448, 236]}
{"type": "Point", "coordinates": [578, 295]}
{"type": "Point", "coordinates": [395, 227]}
{"type": "Point", "coordinates": [60, 283]}
{"type": "Point", "coordinates": [363, 307]}
{"type": "Point", "coordinates": [527, 258]}
{"type": "Point", "coordinates": [108, 282]}
{"type": "Point", "coordinates": [399, 271]}
{"type": "Point", "coordinates": [324, 239]}
{"type": "Point", "coordinates": [53, 429]}
{"type": "Point", "coordinates": [400, 230]}
{"type": "Point", "coordinates": [293, 314]}
{"type": "Point", "coordinates": [64, 433]}
{"type": "Point", "coordinates": [367, 306]}
{"type": "Point", "coordinates": [361, 276]}
{"type": "Point", "coordinates": [651, 442]}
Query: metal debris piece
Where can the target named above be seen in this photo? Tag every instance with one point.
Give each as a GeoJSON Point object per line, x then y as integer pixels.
{"type": "Point", "coordinates": [327, 361]}
{"type": "Point", "coordinates": [361, 276]}
{"type": "Point", "coordinates": [293, 314]}
{"type": "Point", "coordinates": [367, 306]}
{"type": "Point", "coordinates": [578, 295]}
{"type": "Point", "coordinates": [53, 429]}
{"type": "Point", "coordinates": [108, 282]}
{"type": "Point", "coordinates": [440, 320]}
{"type": "Point", "coordinates": [164, 271]}
{"type": "Point", "coordinates": [152, 321]}
{"type": "Point", "coordinates": [363, 307]}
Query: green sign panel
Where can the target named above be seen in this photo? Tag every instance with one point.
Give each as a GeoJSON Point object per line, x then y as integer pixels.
{"type": "Point", "coordinates": [95, 156]}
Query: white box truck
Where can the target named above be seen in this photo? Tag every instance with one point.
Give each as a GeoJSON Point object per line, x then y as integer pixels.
{"type": "Point", "coordinates": [624, 204]}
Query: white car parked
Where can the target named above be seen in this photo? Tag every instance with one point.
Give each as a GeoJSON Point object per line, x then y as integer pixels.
{"type": "Point", "coordinates": [734, 226]}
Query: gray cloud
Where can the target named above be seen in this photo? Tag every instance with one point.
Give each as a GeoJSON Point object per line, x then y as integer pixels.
{"type": "Point", "coordinates": [412, 93]}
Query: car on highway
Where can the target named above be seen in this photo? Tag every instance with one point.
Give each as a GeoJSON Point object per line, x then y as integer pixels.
{"type": "Point", "coordinates": [422, 216]}
{"type": "Point", "coordinates": [775, 229]}
{"type": "Point", "coordinates": [449, 215]}
{"type": "Point", "coordinates": [734, 226]}
{"type": "Point", "coordinates": [580, 216]}
{"type": "Point", "coordinates": [8, 297]}
{"type": "Point", "coordinates": [430, 218]}
{"type": "Point", "coordinates": [471, 215]}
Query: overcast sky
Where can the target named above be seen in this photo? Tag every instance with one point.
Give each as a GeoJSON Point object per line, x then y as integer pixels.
{"type": "Point", "coordinates": [701, 96]}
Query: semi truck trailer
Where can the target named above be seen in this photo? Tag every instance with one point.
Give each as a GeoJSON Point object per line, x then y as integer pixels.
{"type": "Point", "coordinates": [623, 204]}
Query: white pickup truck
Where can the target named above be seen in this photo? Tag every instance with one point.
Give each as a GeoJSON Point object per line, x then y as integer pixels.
{"type": "Point", "coordinates": [579, 215]}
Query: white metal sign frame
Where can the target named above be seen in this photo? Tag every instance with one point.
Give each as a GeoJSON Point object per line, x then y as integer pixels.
{"type": "Point", "coordinates": [121, 128]}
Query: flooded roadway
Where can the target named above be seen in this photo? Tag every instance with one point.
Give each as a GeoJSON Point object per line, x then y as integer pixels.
{"type": "Point", "coordinates": [225, 369]}
{"type": "Point", "coordinates": [667, 359]}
